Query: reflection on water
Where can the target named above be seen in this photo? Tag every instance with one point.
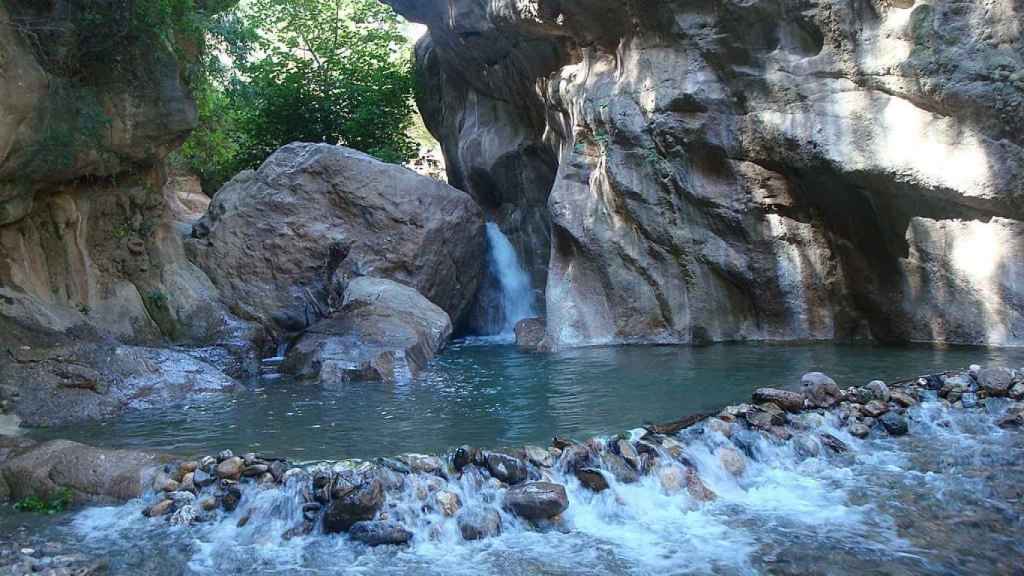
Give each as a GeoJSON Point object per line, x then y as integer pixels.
{"type": "Point", "coordinates": [495, 395]}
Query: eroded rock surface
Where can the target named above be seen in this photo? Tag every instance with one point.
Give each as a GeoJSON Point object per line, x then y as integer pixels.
{"type": "Point", "coordinates": [283, 242]}
{"type": "Point", "coordinates": [743, 170]}
{"type": "Point", "coordinates": [383, 331]}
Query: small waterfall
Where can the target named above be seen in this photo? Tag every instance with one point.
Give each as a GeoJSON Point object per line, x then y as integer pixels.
{"type": "Point", "coordinates": [516, 298]}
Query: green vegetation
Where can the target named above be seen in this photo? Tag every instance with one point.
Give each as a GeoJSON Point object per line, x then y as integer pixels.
{"type": "Point", "coordinates": [280, 71]}
{"type": "Point", "coordinates": [56, 504]}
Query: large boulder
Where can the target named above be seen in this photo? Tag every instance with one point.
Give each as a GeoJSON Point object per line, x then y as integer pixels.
{"type": "Point", "coordinates": [283, 242]}
{"type": "Point", "coordinates": [536, 500]}
{"type": "Point", "coordinates": [742, 170]}
{"type": "Point", "coordinates": [383, 331]}
{"type": "Point", "coordinates": [91, 475]}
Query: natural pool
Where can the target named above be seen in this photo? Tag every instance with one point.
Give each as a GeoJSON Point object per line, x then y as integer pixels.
{"type": "Point", "coordinates": [498, 396]}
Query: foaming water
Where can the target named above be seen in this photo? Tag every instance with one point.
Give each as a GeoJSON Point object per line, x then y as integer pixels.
{"type": "Point", "coordinates": [943, 500]}
{"type": "Point", "coordinates": [497, 396]}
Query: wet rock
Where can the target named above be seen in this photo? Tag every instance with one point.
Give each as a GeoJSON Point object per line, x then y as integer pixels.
{"type": "Point", "coordinates": [530, 333]}
{"type": "Point", "coordinates": [181, 498]}
{"type": "Point", "coordinates": [159, 509]}
{"type": "Point", "coordinates": [540, 456]}
{"type": "Point", "coordinates": [302, 529]}
{"type": "Point", "coordinates": [189, 466]}
{"type": "Point", "coordinates": [806, 447]}
{"type": "Point", "coordinates": [902, 398]}
{"type": "Point", "coordinates": [879, 391]}
{"type": "Point", "coordinates": [448, 502]}
{"type": "Point", "coordinates": [209, 504]}
{"type": "Point", "coordinates": [536, 500]}
{"type": "Point", "coordinates": [820, 390]}
{"type": "Point", "coordinates": [188, 483]}
{"type": "Point", "coordinates": [230, 498]}
{"type": "Point", "coordinates": [202, 479]}
{"type": "Point", "coordinates": [720, 426]}
{"type": "Point", "coordinates": [575, 456]}
{"type": "Point", "coordinates": [732, 461]}
{"type": "Point", "coordinates": [423, 464]}
{"type": "Point", "coordinates": [876, 408]}
{"type": "Point", "coordinates": [619, 468]}
{"type": "Point", "coordinates": [379, 533]}
{"type": "Point", "coordinates": [696, 487]}
{"type": "Point", "coordinates": [834, 444]}
{"type": "Point", "coordinates": [508, 469]}
{"type": "Point", "coordinates": [764, 417]}
{"type": "Point", "coordinates": [785, 399]}
{"type": "Point", "coordinates": [479, 523]}
{"type": "Point", "coordinates": [207, 463]}
{"type": "Point", "coordinates": [278, 469]}
{"type": "Point", "coordinates": [1017, 391]}
{"type": "Point", "coordinates": [464, 456]}
{"type": "Point", "coordinates": [169, 486]}
{"type": "Point", "coordinates": [255, 470]}
{"type": "Point", "coordinates": [858, 430]}
{"type": "Point", "coordinates": [672, 479]}
{"type": "Point", "coordinates": [997, 382]}
{"type": "Point", "coordinates": [592, 479]}
{"type": "Point", "coordinates": [225, 455]}
{"type": "Point", "coordinates": [894, 423]}
{"type": "Point", "coordinates": [358, 504]}
{"type": "Point", "coordinates": [230, 468]}
{"type": "Point", "coordinates": [627, 451]}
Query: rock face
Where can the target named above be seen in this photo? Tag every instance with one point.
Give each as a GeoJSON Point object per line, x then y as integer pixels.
{"type": "Point", "coordinates": [283, 243]}
{"type": "Point", "coordinates": [383, 331]}
{"type": "Point", "coordinates": [743, 170]}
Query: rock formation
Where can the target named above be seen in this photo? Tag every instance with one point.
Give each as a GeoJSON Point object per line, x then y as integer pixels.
{"type": "Point", "coordinates": [730, 170]}
{"type": "Point", "coordinates": [283, 242]}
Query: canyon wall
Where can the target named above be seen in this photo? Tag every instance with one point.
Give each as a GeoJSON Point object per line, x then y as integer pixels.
{"type": "Point", "coordinates": [692, 171]}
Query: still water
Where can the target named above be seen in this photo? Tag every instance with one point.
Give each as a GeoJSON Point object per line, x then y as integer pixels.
{"type": "Point", "coordinates": [498, 396]}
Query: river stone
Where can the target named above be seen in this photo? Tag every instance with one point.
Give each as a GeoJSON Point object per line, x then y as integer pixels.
{"type": "Point", "coordinates": [540, 456]}
{"type": "Point", "coordinates": [592, 479]}
{"type": "Point", "coordinates": [536, 500]}
{"type": "Point", "coordinates": [672, 479]}
{"type": "Point", "coordinates": [225, 455]}
{"type": "Point", "coordinates": [478, 523]}
{"type": "Point", "coordinates": [902, 398]}
{"type": "Point", "coordinates": [230, 498]}
{"type": "Point", "coordinates": [159, 509]}
{"type": "Point", "coordinates": [858, 430]}
{"type": "Point", "coordinates": [423, 464]}
{"type": "Point", "coordinates": [464, 456]}
{"type": "Point", "coordinates": [785, 399]}
{"type": "Point", "coordinates": [508, 469]}
{"type": "Point", "coordinates": [379, 533]}
{"type": "Point", "coordinates": [628, 452]}
{"type": "Point", "coordinates": [820, 390]}
{"type": "Point", "coordinates": [209, 504]}
{"type": "Point", "coordinates": [806, 447]}
{"type": "Point", "coordinates": [448, 502]}
{"type": "Point", "coordinates": [720, 426]}
{"type": "Point", "coordinates": [1017, 392]}
{"type": "Point", "coordinates": [879, 390]}
{"type": "Point", "coordinates": [361, 503]}
{"type": "Point", "coordinates": [996, 381]}
{"type": "Point", "coordinates": [202, 479]}
{"type": "Point", "coordinates": [732, 461]}
{"type": "Point", "coordinates": [619, 468]}
{"type": "Point", "coordinates": [576, 456]}
{"type": "Point", "coordinates": [894, 423]}
{"type": "Point", "coordinates": [876, 408]}
{"type": "Point", "coordinates": [255, 470]}
{"type": "Point", "coordinates": [230, 468]}
{"type": "Point", "coordinates": [530, 333]}
{"type": "Point", "coordinates": [834, 444]}
{"type": "Point", "coordinates": [696, 487]}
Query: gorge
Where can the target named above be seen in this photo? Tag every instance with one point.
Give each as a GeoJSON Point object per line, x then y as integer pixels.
{"type": "Point", "coordinates": [671, 205]}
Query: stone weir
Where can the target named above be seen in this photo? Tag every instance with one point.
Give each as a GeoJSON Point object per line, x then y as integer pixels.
{"type": "Point", "coordinates": [473, 494]}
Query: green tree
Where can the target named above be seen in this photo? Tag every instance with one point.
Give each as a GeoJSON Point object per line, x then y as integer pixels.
{"type": "Point", "coordinates": [335, 71]}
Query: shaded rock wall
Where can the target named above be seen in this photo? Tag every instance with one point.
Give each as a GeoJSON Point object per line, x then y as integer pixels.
{"type": "Point", "coordinates": [728, 170]}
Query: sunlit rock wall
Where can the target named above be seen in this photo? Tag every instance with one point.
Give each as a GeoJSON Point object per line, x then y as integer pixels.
{"type": "Point", "coordinates": [727, 170]}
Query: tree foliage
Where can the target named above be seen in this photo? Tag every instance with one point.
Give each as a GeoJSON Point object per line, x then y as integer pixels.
{"type": "Point", "coordinates": [335, 71]}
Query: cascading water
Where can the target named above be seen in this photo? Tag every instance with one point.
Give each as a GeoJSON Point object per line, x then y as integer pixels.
{"type": "Point", "coordinates": [516, 297]}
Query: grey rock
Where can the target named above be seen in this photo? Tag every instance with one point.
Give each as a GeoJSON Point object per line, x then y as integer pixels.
{"type": "Point", "coordinates": [996, 381]}
{"type": "Point", "coordinates": [508, 469]}
{"type": "Point", "coordinates": [785, 399]}
{"type": "Point", "coordinates": [536, 500]}
{"type": "Point", "coordinates": [530, 333]}
{"type": "Point", "coordinates": [479, 523]}
{"type": "Point", "coordinates": [379, 533]}
{"type": "Point", "coordinates": [879, 391]}
{"type": "Point", "coordinates": [359, 504]}
{"type": "Point", "coordinates": [894, 423]}
{"type": "Point", "coordinates": [592, 479]}
{"type": "Point", "coordinates": [820, 390]}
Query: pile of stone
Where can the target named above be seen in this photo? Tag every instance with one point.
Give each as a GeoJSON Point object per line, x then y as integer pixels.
{"type": "Point", "coordinates": [370, 501]}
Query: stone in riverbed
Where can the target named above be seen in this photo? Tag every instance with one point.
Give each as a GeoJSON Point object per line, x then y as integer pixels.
{"type": "Point", "coordinates": [159, 509]}
{"type": "Point", "coordinates": [464, 456]}
{"type": "Point", "coordinates": [858, 430]}
{"type": "Point", "coordinates": [202, 479]}
{"type": "Point", "coordinates": [530, 333]}
{"type": "Point", "coordinates": [996, 381]}
{"type": "Point", "coordinates": [834, 444]}
{"type": "Point", "coordinates": [379, 533]}
{"type": "Point", "coordinates": [575, 456]}
{"type": "Point", "coordinates": [672, 478]}
{"type": "Point", "coordinates": [785, 399]}
{"type": "Point", "coordinates": [358, 504]}
{"type": "Point", "coordinates": [536, 500]}
{"type": "Point", "coordinates": [540, 456]}
{"type": "Point", "coordinates": [1017, 391]}
{"type": "Point", "coordinates": [448, 502]}
{"type": "Point", "coordinates": [619, 468]}
{"type": "Point", "coordinates": [696, 487]}
{"type": "Point", "coordinates": [902, 398]}
{"type": "Point", "coordinates": [894, 424]}
{"type": "Point", "coordinates": [876, 408]}
{"type": "Point", "coordinates": [479, 523]}
{"type": "Point", "coordinates": [879, 391]}
{"type": "Point", "coordinates": [820, 390]}
{"type": "Point", "coordinates": [230, 468]}
{"type": "Point", "coordinates": [628, 452]}
{"type": "Point", "coordinates": [732, 461]}
{"type": "Point", "coordinates": [508, 469]}
{"type": "Point", "coordinates": [230, 498]}
{"type": "Point", "coordinates": [592, 478]}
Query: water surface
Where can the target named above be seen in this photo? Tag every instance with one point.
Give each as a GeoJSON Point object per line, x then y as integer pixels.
{"type": "Point", "coordinates": [497, 396]}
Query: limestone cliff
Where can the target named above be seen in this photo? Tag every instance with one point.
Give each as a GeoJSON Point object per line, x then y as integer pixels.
{"type": "Point", "coordinates": [756, 169]}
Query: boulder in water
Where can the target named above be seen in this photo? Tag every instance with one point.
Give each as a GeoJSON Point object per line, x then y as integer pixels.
{"type": "Point", "coordinates": [785, 399]}
{"type": "Point", "coordinates": [536, 500]}
{"type": "Point", "coordinates": [732, 461]}
{"type": "Point", "coordinates": [379, 533]}
{"type": "Point", "coordinates": [230, 469]}
{"type": "Point", "coordinates": [384, 331]}
{"type": "Point", "coordinates": [820, 390]}
{"type": "Point", "coordinates": [894, 423]}
{"type": "Point", "coordinates": [619, 468]}
{"type": "Point", "coordinates": [540, 456]}
{"type": "Point", "coordinates": [478, 523]}
{"type": "Point", "coordinates": [530, 333]}
{"type": "Point", "coordinates": [508, 469]}
{"type": "Point", "coordinates": [875, 408]}
{"type": "Point", "coordinates": [879, 391]}
{"type": "Point", "coordinates": [592, 479]}
{"type": "Point", "coordinates": [361, 502]}
{"type": "Point", "coordinates": [996, 381]}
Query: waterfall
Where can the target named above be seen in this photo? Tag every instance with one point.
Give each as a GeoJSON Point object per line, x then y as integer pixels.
{"type": "Point", "coordinates": [516, 298]}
